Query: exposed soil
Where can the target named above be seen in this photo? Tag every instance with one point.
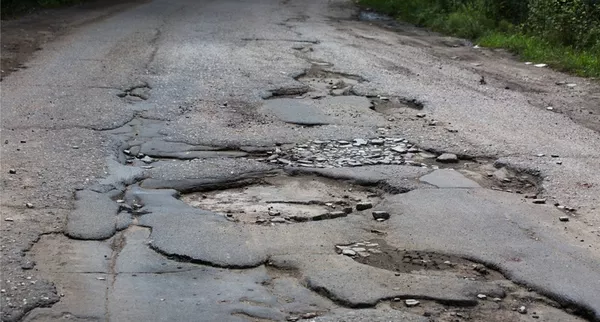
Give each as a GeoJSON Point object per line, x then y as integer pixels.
{"type": "Point", "coordinates": [381, 255]}
{"type": "Point", "coordinates": [283, 199]}
{"type": "Point", "coordinates": [22, 37]}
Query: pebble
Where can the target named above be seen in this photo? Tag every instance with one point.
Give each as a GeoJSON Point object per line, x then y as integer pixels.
{"type": "Point", "coordinates": [12, 171]}
{"type": "Point", "coordinates": [522, 310]}
{"type": "Point", "coordinates": [540, 65]}
{"type": "Point", "coordinates": [447, 158]}
{"type": "Point", "coordinates": [147, 159]}
{"type": "Point", "coordinates": [309, 315]}
{"type": "Point", "coordinates": [29, 205]}
{"type": "Point", "coordinates": [563, 218]}
{"type": "Point", "coordinates": [571, 85]}
{"type": "Point", "coordinates": [481, 296]}
{"type": "Point", "coordinates": [539, 155]}
{"type": "Point", "coordinates": [421, 115]}
{"type": "Point", "coordinates": [399, 149]}
{"type": "Point", "coordinates": [381, 215]}
{"type": "Point", "coordinates": [348, 252]}
{"type": "Point", "coordinates": [550, 108]}
{"type": "Point", "coordinates": [559, 162]}
{"type": "Point", "coordinates": [497, 299]}
{"type": "Point", "coordinates": [363, 206]}
{"type": "Point", "coordinates": [8, 219]}
{"type": "Point", "coordinates": [278, 220]}
{"type": "Point", "coordinates": [411, 303]}
{"type": "Point", "coordinates": [361, 142]}
{"type": "Point", "coordinates": [539, 201]}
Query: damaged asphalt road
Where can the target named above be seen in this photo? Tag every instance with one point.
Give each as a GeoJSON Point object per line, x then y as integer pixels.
{"type": "Point", "coordinates": [285, 161]}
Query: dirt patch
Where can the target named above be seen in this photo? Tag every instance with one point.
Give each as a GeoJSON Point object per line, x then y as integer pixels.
{"type": "Point", "coordinates": [24, 36]}
{"type": "Point", "coordinates": [381, 255]}
{"type": "Point", "coordinates": [282, 199]}
{"type": "Point", "coordinates": [518, 304]}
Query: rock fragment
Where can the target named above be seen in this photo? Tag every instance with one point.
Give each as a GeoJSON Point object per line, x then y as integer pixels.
{"type": "Point", "coordinates": [381, 215]}
{"type": "Point", "coordinates": [411, 303]}
{"type": "Point", "coordinates": [363, 206]}
{"type": "Point", "coordinates": [447, 158]}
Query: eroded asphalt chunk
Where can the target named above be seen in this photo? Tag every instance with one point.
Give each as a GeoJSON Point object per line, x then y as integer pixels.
{"type": "Point", "coordinates": [305, 175]}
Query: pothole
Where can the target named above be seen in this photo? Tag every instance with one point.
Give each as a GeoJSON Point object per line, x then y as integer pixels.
{"type": "Point", "coordinates": [324, 82]}
{"type": "Point", "coordinates": [358, 152]}
{"type": "Point", "coordinates": [378, 254]}
{"type": "Point", "coordinates": [282, 199]}
{"type": "Point", "coordinates": [137, 92]}
{"type": "Point", "coordinates": [400, 151]}
{"type": "Point", "coordinates": [518, 304]}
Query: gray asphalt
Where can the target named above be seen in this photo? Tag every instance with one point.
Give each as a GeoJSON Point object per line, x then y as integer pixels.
{"type": "Point", "coordinates": [208, 92]}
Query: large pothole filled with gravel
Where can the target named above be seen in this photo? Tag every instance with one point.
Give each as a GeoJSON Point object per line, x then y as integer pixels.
{"type": "Point", "coordinates": [283, 199]}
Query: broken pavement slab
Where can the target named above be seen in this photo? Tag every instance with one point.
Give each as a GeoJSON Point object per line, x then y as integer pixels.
{"type": "Point", "coordinates": [345, 281]}
{"type": "Point", "coordinates": [295, 112]}
{"type": "Point", "coordinates": [448, 178]}
{"type": "Point", "coordinates": [501, 230]}
{"type": "Point", "coordinates": [94, 216]}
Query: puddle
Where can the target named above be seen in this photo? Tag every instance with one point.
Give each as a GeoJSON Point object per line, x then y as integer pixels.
{"type": "Point", "coordinates": [283, 199]}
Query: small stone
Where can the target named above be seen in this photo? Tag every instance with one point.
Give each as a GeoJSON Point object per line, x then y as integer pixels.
{"type": "Point", "coordinates": [540, 65]}
{"type": "Point", "coordinates": [377, 141]}
{"type": "Point", "coordinates": [359, 249]}
{"type": "Point", "coordinates": [75, 147]}
{"type": "Point", "coordinates": [411, 303]}
{"type": "Point", "coordinates": [550, 108]}
{"type": "Point", "coordinates": [559, 162]}
{"type": "Point", "coordinates": [28, 265]}
{"type": "Point", "coordinates": [421, 115]}
{"type": "Point", "coordinates": [278, 220]}
{"type": "Point", "coordinates": [360, 142]}
{"type": "Point", "coordinates": [539, 201]}
{"type": "Point", "coordinates": [12, 171]}
{"type": "Point", "coordinates": [310, 315]}
{"type": "Point", "coordinates": [273, 213]}
{"type": "Point", "coordinates": [363, 206]}
{"type": "Point", "coordinates": [497, 299]}
{"type": "Point", "coordinates": [348, 252]}
{"type": "Point", "coordinates": [447, 158]}
{"type": "Point", "coordinates": [555, 155]}
{"type": "Point", "coordinates": [147, 159]}
{"type": "Point", "coordinates": [381, 215]}
{"type": "Point", "coordinates": [571, 85]}
{"type": "Point", "coordinates": [528, 63]}
{"type": "Point", "coordinates": [101, 278]}
{"type": "Point", "coordinates": [292, 318]}
{"type": "Point", "coordinates": [561, 207]}
{"type": "Point", "coordinates": [481, 296]}
{"type": "Point", "coordinates": [539, 155]}
{"type": "Point", "coordinates": [29, 205]}
{"type": "Point", "coordinates": [563, 218]}
{"type": "Point", "coordinates": [522, 310]}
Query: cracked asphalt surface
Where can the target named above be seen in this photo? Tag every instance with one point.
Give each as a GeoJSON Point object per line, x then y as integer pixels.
{"type": "Point", "coordinates": [267, 161]}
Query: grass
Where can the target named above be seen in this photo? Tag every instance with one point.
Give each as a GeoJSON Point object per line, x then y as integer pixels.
{"type": "Point", "coordinates": [582, 62]}
{"type": "Point", "coordinates": [471, 21]}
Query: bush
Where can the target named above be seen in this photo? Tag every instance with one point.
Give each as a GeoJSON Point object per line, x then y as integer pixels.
{"type": "Point", "coordinates": [562, 33]}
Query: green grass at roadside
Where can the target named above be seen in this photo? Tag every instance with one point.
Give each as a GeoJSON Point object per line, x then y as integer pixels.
{"type": "Point", "coordinates": [582, 62]}
{"type": "Point", "coordinates": [475, 20]}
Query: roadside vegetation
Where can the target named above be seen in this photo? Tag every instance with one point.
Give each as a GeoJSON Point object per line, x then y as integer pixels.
{"type": "Point", "coordinates": [564, 34]}
{"type": "Point", "coordinates": [12, 8]}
